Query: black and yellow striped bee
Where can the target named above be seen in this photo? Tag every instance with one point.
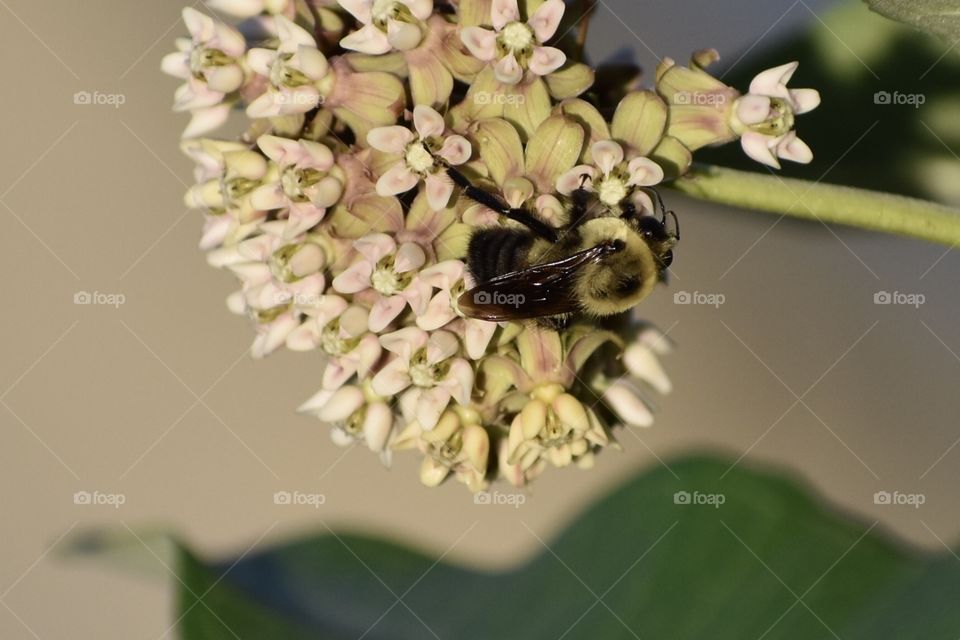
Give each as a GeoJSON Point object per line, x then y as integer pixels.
{"type": "Point", "coordinates": [602, 262]}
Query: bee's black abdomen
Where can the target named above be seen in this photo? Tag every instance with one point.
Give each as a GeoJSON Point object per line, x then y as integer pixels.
{"type": "Point", "coordinates": [496, 251]}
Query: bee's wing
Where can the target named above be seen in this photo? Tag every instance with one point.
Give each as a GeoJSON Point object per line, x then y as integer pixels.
{"type": "Point", "coordinates": [538, 291]}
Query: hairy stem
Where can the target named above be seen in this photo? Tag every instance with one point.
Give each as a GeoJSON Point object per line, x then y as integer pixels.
{"type": "Point", "coordinates": [862, 208]}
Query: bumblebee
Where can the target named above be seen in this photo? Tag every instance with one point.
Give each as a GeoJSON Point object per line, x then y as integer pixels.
{"type": "Point", "coordinates": [602, 262]}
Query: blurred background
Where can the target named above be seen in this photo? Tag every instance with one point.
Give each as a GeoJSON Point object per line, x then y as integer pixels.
{"type": "Point", "coordinates": [150, 395]}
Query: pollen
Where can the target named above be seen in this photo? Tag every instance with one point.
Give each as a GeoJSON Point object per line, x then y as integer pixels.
{"type": "Point", "coordinates": [517, 36]}
{"type": "Point", "coordinates": [612, 191]}
{"type": "Point", "coordinates": [418, 158]}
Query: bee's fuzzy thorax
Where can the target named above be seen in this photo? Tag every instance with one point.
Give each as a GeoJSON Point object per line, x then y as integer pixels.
{"type": "Point", "coordinates": [620, 280]}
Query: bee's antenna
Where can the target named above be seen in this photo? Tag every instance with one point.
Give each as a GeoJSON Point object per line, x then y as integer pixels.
{"type": "Point", "coordinates": [662, 209]}
{"type": "Point", "coordinates": [676, 224]}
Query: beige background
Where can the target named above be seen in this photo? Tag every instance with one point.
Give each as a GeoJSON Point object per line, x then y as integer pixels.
{"type": "Point", "coordinates": [155, 399]}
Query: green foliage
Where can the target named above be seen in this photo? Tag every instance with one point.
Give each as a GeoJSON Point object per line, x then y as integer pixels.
{"type": "Point", "coordinates": [940, 17]}
{"type": "Point", "coordinates": [768, 562]}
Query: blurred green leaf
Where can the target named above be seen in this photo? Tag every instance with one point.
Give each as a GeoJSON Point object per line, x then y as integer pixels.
{"type": "Point", "coordinates": [940, 17]}
{"type": "Point", "coordinates": [768, 562]}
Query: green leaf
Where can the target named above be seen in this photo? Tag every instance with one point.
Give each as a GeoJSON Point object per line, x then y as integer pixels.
{"type": "Point", "coordinates": [733, 569]}
{"type": "Point", "coordinates": [940, 17]}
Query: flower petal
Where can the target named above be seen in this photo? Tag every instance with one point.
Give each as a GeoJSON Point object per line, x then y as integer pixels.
{"type": "Point", "coordinates": [409, 257]}
{"type": "Point", "coordinates": [794, 149]}
{"type": "Point", "coordinates": [431, 405]}
{"type": "Point", "coordinates": [384, 311]}
{"type": "Point", "coordinates": [508, 70]}
{"type": "Point", "coordinates": [481, 42]}
{"type": "Point", "coordinates": [756, 145]}
{"type": "Point", "coordinates": [546, 60]}
{"type": "Point", "coordinates": [571, 180]}
{"type": "Point", "coordinates": [503, 12]}
{"type": "Point", "coordinates": [397, 179]}
{"type": "Point", "coordinates": [606, 155]}
{"type": "Point", "coordinates": [392, 379]}
{"type": "Point", "coordinates": [644, 172]}
{"type": "Point", "coordinates": [368, 39]}
{"type": "Point", "coordinates": [427, 121]}
{"type": "Point", "coordinates": [439, 190]}
{"type": "Point", "coordinates": [355, 279]}
{"type": "Point", "coordinates": [456, 150]}
{"type": "Point", "coordinates": [772, 82]}
{"type": "Point", "coordinates": [804, 100]}
{"type": "Point", "coordinates": [403, 36]}
{"type": "Point", "coordinates": [546, 19]}
{"type": "Point", "coordinates": [393, 139]}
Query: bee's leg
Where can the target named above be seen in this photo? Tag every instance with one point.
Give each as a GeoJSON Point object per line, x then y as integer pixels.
{"type": "Point", "coordinates": [579, 203]}
{"type": "Point", "coordinates": [491, 201]}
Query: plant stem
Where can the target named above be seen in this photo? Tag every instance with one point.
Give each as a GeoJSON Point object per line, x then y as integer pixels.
{"type": "Point", "coordinates": [586, 10]}
{"type": "Point", "coordinates": [862, 208]}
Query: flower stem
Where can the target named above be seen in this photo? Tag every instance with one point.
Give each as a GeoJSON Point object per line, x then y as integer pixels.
{"type": "Point", "coordinates": [862, 208]}
{"type": "Point", "coordinates": [586, 11]}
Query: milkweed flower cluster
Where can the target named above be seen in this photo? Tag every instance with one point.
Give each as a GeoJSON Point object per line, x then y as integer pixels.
{"type": "Point", "coordinates": [335, 211]}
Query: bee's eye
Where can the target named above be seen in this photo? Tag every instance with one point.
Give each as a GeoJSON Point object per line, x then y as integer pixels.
{"type": "Point", "coordinates": [667, 259]}
{"type": "Point", "coordinates": [650, 227]}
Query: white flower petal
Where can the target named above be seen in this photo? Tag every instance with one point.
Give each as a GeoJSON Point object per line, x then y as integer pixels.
{"type": "Point", "coordinates": [804, 100]}
{"type": "Point", "coordinates": [606, 155]}
{"type": "Point", "coordinates": [481, 42]}
{"type": "Point", "coordinates": [756, 145]}
{"type": "Point", "coordinates": [456, 150]}
{"type": "Point", "coordinates": [422, 9]}
{"type": "Point", "coordinates": [503, 12]}
{"type": "Point", "coordinates": [508, 70]}
{"type": "Point", "coordinates": [753, 109]}
{"type": "Point", "coordinates": [359, 9]}
{"type": "Point", "coordinates": [410, 256]}
{"type": "Point", "coordinates": [368, 39]}
{"type": "Point", "coordinates": [392, 379]}
{"type": "Point", "coordinates": [403, 36]}
{"type": "Point", "coordinates": [772, 82]}
{"type": "Point", "coordinates": [392, 139]}
{"type": "Point", "coordinates": [794, 149]}
{"type": "Point", "coordinates": [355, 279]}
{"type": "Point", "coordinates": [546, 19]}
{"type": "Point", "coordinates": [570, 181]}
{"type": "Point", "coordinates": [430, 407]}
{"type": "Point", "coordinates": [427, 121]}
{"type": "Point", "coordinates": [397, 179]}
{"type": "Point", "coordinates": [385, 311]}
{"type": "Point", "coordinates": [440, 346]}
{"type": "Point", "coordinates": [439, 189]}
{"type": "Point", "coordinates": [644, 172]}
{"type": "Point", "coordinates": [546, 60]}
